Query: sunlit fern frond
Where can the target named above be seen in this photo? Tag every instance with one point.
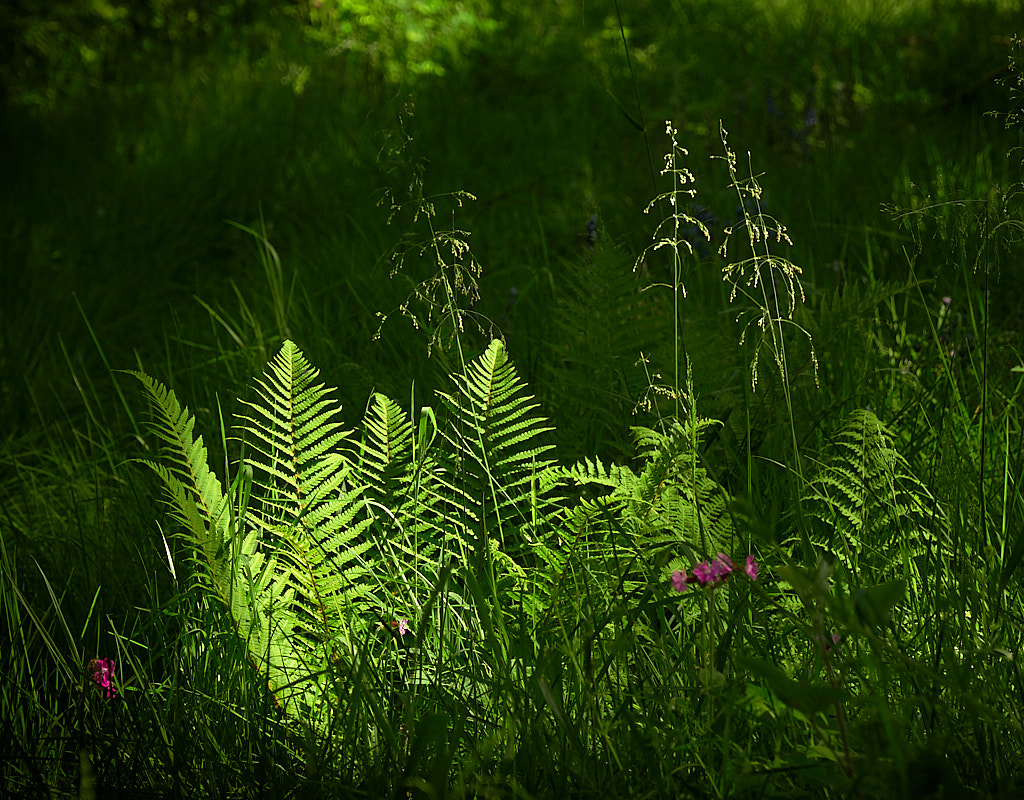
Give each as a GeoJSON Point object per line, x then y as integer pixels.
{"type": "Point", "coordinates": [386, 451]}
{"type": "Point", "coordinates": [873, 511]}
{"type": "Point", "coordinates": [310, 507]}
{"type": "Point", "coordinates": [398, 467]}
{"type": "Point", "coordinates": [226, 550]}
{"type": "Point", "coordinates": [291, 426]}
{"type": "Point", "coordinates": [289, 559]}
{"type": "Point", "coordinates": [496, 451]}
{"type": "Point", "coordinates": [193, 491]}
{"type": "Point", "coordinates": [671, 506]}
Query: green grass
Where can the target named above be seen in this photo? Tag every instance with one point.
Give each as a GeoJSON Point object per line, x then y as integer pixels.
{"type": "Point", "coordinates": [189, 229]}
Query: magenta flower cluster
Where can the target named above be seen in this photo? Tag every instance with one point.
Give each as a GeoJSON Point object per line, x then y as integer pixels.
{"type": "Point", "coordinates": [101, 670]}
{"type": "Point", "coordinates": [712, 573]}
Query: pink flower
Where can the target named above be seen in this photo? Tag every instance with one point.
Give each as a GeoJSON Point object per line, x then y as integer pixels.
{"type": "Point", "coordinates": [704, 573]}
{"type": "Point", "coordinates": [102, 672]}
{"type": "Point", "coordinates": [713, 573]}
{"type": "Point", "coordinates": [721, 567]}
{"type": "Point", "coordinates": [403, 627]}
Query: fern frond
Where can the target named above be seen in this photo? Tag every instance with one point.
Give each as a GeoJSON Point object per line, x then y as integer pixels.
{"type": "Point", "coordinates": [333, 537]}
{"type": "Point", "coordinates": [386, 450]}
{"type": "Point", "coordinates": [291, 427]}
{"type": "Point", "coordinates": [496, 448]}
{"type": "Point", "coordinates": [668, 512]}
{"type": "Point", "coordinates": [311, 509]}
{"type": "Point", "coordinates": [615, 476]}
{"type": "Point", "coordinates": [672, 492]}
{"type": "Point", "coordinates": [605, 320]}
{"type": "Point", "coordinates": [292, 567]}
{"type": "Point", "coordinates": [868, 499]}
{"type": "Point", "coordinates": [187, 454]}
{"type": "Point", "coordinates": [194, 492]}
{"type": "Point", "coordinates": [241, 573]}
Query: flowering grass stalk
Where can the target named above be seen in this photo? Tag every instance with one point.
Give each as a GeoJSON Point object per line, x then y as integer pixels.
{"type": "Point", "coordinates": [679, 231]}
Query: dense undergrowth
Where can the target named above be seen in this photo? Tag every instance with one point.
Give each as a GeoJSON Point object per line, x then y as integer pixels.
{"type": "Point", "coordinates": [458, 572]}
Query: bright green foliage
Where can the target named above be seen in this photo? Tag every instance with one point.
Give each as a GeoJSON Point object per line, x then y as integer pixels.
{"type": "Point", "coordinates": [287, 568]}
{"type": "Point", "coordinates": [495, 456]}
{"type": "Point", "coordinates": [871, 506]}
{"type": "Point", "coordinates": [307, 511]}
{"type": "Point", "coordinates": [195, 496]}
{"type": "Point", "coordinates": [670, 504]}
{"type": "Point", "coordinates": [398, 466]}
{"type": "Point", "coordinates": [387, 451]}
{"type": "Point", "coordinates": [404, 36]}
{"type": "Point", "coordinates": [329, 540]}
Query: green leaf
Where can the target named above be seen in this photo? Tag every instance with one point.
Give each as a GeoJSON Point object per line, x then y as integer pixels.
{"type": "Point", "coordinates": [808, 698]}
{"type": "Point", "coordinates": [873, 605]}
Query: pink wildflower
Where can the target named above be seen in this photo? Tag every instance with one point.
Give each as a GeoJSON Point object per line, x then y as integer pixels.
{"type": "Point", "coordinates": [704, 573]}
{"type": "Point", "coordinates": [403, 627]}
{"type": "Point", "coordinates": [721, 567]}
{"type": "Point", "coordinates": [713, 573]}
{"type": "Point", "coordinates": [101, 670]}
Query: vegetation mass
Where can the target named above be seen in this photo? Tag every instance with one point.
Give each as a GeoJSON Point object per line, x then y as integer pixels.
{"type": "Point", "coordinates": [535, 400]}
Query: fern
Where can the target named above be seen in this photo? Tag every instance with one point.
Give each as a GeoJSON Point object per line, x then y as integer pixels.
{"type": "Point", "coordinates": [194, 492]}
{"type": "Point", "coordinates": [869, 501]}
{"type": "Point", "coordinates": [290, 431]}
{"type": "Point", "coordinates": [312, 515]}
{"type": "Point", "coordinates": [301, 475]}
{"type": "Point", "coordinates": [495, 454]}
{"type": "Point", "coordinates": [398, 469]}
{"type": "Point", "coordinates": [290, 566]}
{"type": "Point", "coordinates": [386, 452]}
{"type": "Point", "coordinates": [227, 554]}
{"type": "Point", "coordinates": [670, 506]}
{"type": "Point", "coordinates": [320, 535]}
{"type": "Point", "coordinates": [605, 322]}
